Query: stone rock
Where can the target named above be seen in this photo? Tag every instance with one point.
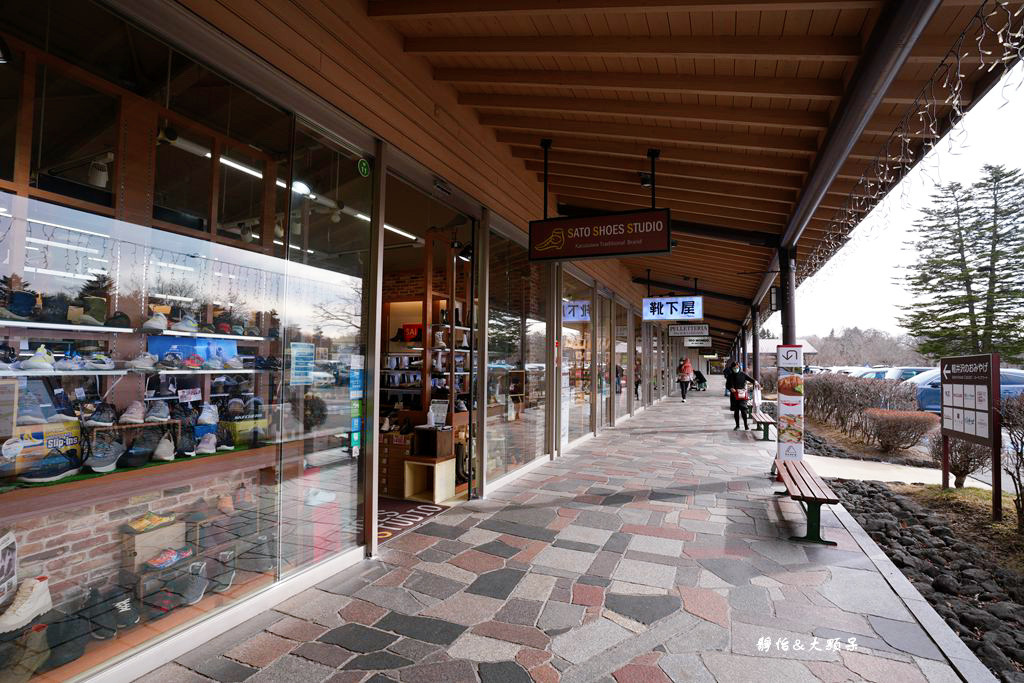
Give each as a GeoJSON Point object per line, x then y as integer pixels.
{"type": "Point", "coordinates": [993, 658]}
{"type": "Point", "coordinates": [979, 619]}
{"type": "Point", "coordinates": [946, 584]}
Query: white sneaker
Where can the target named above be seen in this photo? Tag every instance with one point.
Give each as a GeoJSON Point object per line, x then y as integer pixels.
{"type": "Point", "coordinates": [72, 363]}
{"type": "Point", "coordinates": [165, 449]}
{"type": "Point", "coordinates": [99, 361]}
{"type": "Point", "coordinates": [316, 497]}
{"type": "Point", "coordinates": [439, 340]}
{"type": "Point", "coordinates": [186, 324]}
{"type": "Point", "coordinates": [135, 414]}
{"type": "Point", "coordinates": [214, 363]}
{"type": "Point", "coordinates": [209, 416]}
{"type": "Point", "coordinates": [42, 359]}
{"type": "Point", "coordinates": [234, 363]}
{"type": "Point", "coordinates": [31, 600]}
{"type": "Point", "coordinates": [156, 323]}
{"type": "Point", "coordinates": [86, 319]}
{"type": "Point", "coordinates": [143, 361]}
{"type": "Point", "coordinates": [207, 444]}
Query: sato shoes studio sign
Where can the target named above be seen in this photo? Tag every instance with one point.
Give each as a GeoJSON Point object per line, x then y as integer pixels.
{"type": "Point", "coordinates": [674, 308]}
{"type": "Point", "coordinates": [614, 234]}
{"type": "Point", "coordinates": [970, 397]}
{"type": "Point", "coordinates": [790, 362]}
{"type": "Point", "coordinates": [697, 330]}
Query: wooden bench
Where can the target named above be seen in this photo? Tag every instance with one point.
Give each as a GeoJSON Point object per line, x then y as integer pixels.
{"type": "Point", "coordinates": [807, 488]}
{"type": "Point", "coordinates": [763, 422]}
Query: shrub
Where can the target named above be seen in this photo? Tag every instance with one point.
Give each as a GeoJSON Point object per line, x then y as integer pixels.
{"type": "Point", "coordinates": [841, 401]}
{"type": "Point", "coordinates": [965, 458]}
{"type": "Point", "coordinates": [769, 380]}
{"type": "Point", "coordinates": [897, 430]}
{"type": "Point", "coordinates": [1012, 412]}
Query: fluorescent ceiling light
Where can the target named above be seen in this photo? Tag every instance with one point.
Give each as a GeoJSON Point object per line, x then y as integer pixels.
{"type": "Point", "coordinates": [362, 217]}
{"type": "Point", "coordinates": [174, 266]}
{"type": "Point", "coordinates": [58, 273]}
{"type": "Point", "coordinates": [66, 227]}
{"type": "Point", "coordinates": [93, 258]}
{"type": "Point", "coordinates": [172, 297]}
{"type": "Point", "coordinates": [403, 233]}
{"type": "Point", "coordinates": [301, 188]}
{"type": "Point", "coordinates": [61, 245]}
{"type": "Point", "coordinates": [230, 163]}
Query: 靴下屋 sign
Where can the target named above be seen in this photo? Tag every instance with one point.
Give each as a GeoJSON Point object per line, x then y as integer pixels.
{"type": "Point", "coordinates": [674, 308]}
{"type": "Point", "coordinates": [688, 330]}
{"type": "Point", "coordinates": [615, 234]}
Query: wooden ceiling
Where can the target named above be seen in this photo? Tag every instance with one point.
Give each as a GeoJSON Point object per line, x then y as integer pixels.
{"type": "Point", "coordinates": [738, 96]}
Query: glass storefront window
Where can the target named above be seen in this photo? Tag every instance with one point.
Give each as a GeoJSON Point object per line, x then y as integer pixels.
{"type": "Point", "coordinates": [621, 357]}
{"type": "Point", "coordinates": [577, 342]}
{"type": "Point", "coordinates": [517, 363]}
{"type": "Point", "coordinates": [639, 392]}
{"type": "Point", "coordinates": [10, 101]}
{"type": "Point", "coordinates": [602, 356]}
{"type": "Point", "coordinates": [183, 183]}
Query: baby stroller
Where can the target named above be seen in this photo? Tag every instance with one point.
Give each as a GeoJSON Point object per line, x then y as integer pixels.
{"type": "Point", "coordinates": [700, 382]}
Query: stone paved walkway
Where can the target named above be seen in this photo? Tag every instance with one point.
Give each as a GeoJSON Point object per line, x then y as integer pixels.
{"type": "Point", "coordinates": [653, 552]}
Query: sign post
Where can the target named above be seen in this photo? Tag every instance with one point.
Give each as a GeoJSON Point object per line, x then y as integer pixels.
{"type": "Point", "coordinates": [970, 412]}
{"type": "Point", "coordinates": [790, 362]}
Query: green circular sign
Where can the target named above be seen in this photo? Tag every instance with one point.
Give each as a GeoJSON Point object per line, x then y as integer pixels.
{"type": "Point", "coordinates": [364, 167]}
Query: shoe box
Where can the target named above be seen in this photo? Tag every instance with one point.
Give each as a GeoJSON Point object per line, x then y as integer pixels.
{"type": "Point", "coordinates": [205, 348]}
{"type": "Point", "coordinates": [137, 548]}
{"type": "Point", "coordinates": [31, 443]}
{"type": "Point", "coordinates": [241, 430]}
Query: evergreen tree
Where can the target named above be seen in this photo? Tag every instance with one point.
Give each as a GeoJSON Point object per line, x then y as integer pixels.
{"type": "Point", "coordinates": [967, 281]}
{"type": "Point", "coordinates": [99, 286]}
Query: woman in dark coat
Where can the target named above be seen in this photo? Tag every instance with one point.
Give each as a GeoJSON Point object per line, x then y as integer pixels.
{"type": "Point", "coordinates": [736, 380]}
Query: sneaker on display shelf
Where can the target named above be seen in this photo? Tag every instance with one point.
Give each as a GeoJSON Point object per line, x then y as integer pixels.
{"type": "Point", "coordinates": [187, 441]}
{"type": "Point", "coordinates": [70, 363]}
{"type": "Point", "coordinates": [253, 331]}
{"type": "Point", "coordinates": [170, 361]}
{"type": "Point", "coordinates": [103, 416]}
{"type": "Point", "coordinates": [106, 451]}
{"type": "Point", "coordinates": [42, 359]}
{"type": "Point", "coordinates": [143, 361]}
{"type": "Point", "coordinates": [223, 328]}
{"type": "Point", "coordinates": [164, 451]}
{"type": "Point", "coordinates": [86, 319]}
{"type": "Point", "coordinates": [234, 363]}
{"type": "Point", "coordinates": [7, 353]}
{"type": "Point", "coordinates": [148, 522]}
{"type": "Point", "coordinates": [68, 637]}
{"type": "Point", "coordinates": [254, 407]}
{"type": "Point", "coordinates": [222, 571]}
{"type": "Point", "coordinates": [460, 406]}
{"type": "Point", "coordinates": [439, 340]}
{"type": "Point", "coordinates": [98, 610]}
{"type": "Point", "coordinates": [160, 604]}
{"type": "Point", "coordinates": [126, 610]}
{"type": "Point", "coordinates": [214, 363]}
{"type": "Point", "coordinates": [31, 601]}
{"type": "Point", "coordinates": [158, 412]}
{"type": "Point", "coordinates": [118, 319]}
{"type": "Point", "coordinates": [208, 415]}
{"type": "Point", "coordinates": [238, 330]}
{"type": "Point", "coordinates": [186, 324]}
{"type": "Point", "coordinates": [225, 442]}
{"type": "Point", "coordinates": [27, 654]}
{"type": "Point", "coordinates": [29, 411]}
{"type": "Point", "coordinates": [166, 391]}
{"type": "Point", "coordinates": [207, 328]}
{"type": "Point", "coordinates": [193, 362]}
{"type": "Point", "coordinates": [207, 444]}
{"type": "Point", "coordinates": [191, 586]}
{"type": "Point", "coordinates": [156, 323]}
{"type": "Point", "coordinates": [8, 314]}
{"type": "Point", "coordinates": [142, 448]}
{"type": "Point", "coordinates": [99, 361]}
{"type": "Point", "coordinates": [236, 408]}
{"type": "Point", "coordinates": [169, 557]}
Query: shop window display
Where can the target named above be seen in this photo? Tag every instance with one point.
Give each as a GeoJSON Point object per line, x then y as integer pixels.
{"type": "Point", "coordinates": [516, 364]}
{"type": "Point", "coordinates": [639, 393]}
{"type": "Point", "coordinates": [602, 357]}
{"type": "Point", "coordinates": [577, 342]}
{"type": "Point", "coordinates": [620, 357]}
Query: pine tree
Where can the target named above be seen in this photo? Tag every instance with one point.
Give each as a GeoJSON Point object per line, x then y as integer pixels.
{"type": "Point", "coordinates": [99, 286]}
{"type": "Point", "coordinates": [967, 281]}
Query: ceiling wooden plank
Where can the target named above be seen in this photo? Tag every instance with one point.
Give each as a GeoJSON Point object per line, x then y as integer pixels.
{"type": "Point", "coordinates": [817, 48]}
{"type": "Point", "coordinates": [590, 197]}
{"type": "Point", "coordinates": [774, 118]}
{"type": "Point", "coordinates": [696, 136]}
{"type": "Point", "coordinates": [667, 170]}
{"type": "Point", "coordinates": [419, 9]}
{"type": "Point", "coordinates": [686, 201]}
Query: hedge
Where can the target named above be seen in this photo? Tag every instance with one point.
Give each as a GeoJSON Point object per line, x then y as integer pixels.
{"type": "Point", "coordinates": [842, 402]}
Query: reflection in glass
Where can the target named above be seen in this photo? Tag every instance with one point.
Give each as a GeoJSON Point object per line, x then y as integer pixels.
{"type": "Point", "coordinates": [602, 357]}
{"type": "Point", "coordinates": [10, 99]}
{"type": "Point", "coordinates": [639, 393]}
{"type": "Point", "coordinates": [517, 369]}
{"type": "Point", "coordinates": [577, 300]}
{"type": "Point", "coordinates": [621, 358]}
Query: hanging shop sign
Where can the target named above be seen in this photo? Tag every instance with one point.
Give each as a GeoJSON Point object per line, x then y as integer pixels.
{"type": "Point", "coordinates": [674, 308]}
{"type": "Point", "coordinates": [790, 362]}
{"type": "Point", "coordinates": [688, 330]}
{"type": "Point", "coordinates": [696, 342]}
{"type": "Point", "coordinates": [576, 311]}
{"type": "Point", "coordinates": [627, 233]}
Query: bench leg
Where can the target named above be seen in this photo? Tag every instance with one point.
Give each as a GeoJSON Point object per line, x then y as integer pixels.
{"type": "Point", "coordinates": [813, 534]}
{"type": "Point", "coordinates": [764, 432]}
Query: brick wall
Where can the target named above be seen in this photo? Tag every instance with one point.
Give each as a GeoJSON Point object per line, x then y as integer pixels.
{"type": "Point", "coordinates": [82, 548]}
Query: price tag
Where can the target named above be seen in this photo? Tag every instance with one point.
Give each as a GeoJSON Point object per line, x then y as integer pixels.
{"type": "Point", "coordinates": [188, 395]}
{"type": "Point", "coordinates": [80, 393]}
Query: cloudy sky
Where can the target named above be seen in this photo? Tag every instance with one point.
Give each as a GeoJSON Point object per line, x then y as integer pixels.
{"type": "Point", "coordinates": [860, 285]}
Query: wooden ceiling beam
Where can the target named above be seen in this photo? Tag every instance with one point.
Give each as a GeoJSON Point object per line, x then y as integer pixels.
{"type": "Point", "coordinates": [718, 205]}
{"type": "Point", "coordinates": [780, 143]}
{"type": "Point", "coordinates": [727, 189]}
{"type": "Point", "coordinates": [802, 88]}
{"type": "Point", "coordinates": [447, 9]}
{"type": "Point", "coordinates": [767, 164]}
{"type": "Point", "coordinates": [583, 197]}
{"type": "Point", "coordinates": [666, 168]}
{"type": "Point", "coordinates": [811, 48]}
{"type": "Point", "coordinates": [770, 118]}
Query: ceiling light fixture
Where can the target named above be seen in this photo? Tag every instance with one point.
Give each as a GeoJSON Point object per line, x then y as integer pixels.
{"type": "Point", "coordinates": [5, 51]}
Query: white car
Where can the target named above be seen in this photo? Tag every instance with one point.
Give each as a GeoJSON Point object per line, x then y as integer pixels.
{"type": "Point", "coordinates": [898, 373]}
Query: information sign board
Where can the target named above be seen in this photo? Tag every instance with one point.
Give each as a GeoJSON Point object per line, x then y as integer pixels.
{"type": "Point", "coordinates": [790, 362]}
{"type": "Point", "coordinates": [674, 308]}
{"type": "Point", "coordinates": [696, 342]}
{"type": "Point", "coordinates": [693, 330]}
{"type": "Point", "coordinates": [970, 397]}
{"type": "Point", "coordinates": [302, 364]}
{"type": "Point", "coordinates": [617, 234]}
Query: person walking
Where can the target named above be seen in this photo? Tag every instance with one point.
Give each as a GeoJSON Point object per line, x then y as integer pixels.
{"type": "Point", "coordinates": [736, 383]}
{"type": "Point", "coordinates": [726, 374]}
{"type": "Point", "coordinates": [684, 375]}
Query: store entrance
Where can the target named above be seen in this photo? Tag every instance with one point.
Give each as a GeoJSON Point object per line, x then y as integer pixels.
{"type": "Point", "coordinates": [427, 363]}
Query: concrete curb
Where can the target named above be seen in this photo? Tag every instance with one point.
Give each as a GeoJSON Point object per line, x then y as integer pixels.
{"type": "Point", "coordinates": [967, 666]}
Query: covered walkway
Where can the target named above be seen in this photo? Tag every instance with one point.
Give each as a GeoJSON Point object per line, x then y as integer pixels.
{"type": "Point", "coordinates": [655, 551]}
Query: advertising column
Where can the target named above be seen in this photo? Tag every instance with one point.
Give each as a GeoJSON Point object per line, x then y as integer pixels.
{"type": "Point", "coordinates": [790, 362]}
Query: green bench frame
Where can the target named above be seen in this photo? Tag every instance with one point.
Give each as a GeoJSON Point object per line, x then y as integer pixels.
{"type": "Point", "coordinates": [807, 488]}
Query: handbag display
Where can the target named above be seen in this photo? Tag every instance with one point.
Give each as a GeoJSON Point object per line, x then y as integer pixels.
{"type": "Point", "coordinates": [739, 394]}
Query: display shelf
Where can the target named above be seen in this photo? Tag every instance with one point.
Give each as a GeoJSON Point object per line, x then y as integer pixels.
{"type": "Point", "coordinates": [399, 390]}
{"type": "Point", "coordinates": [189, 371]}
{"type": "Point", "coordinates": [60, 373]}
{"type": "Point", "coordinates": [64, 327]}
{"type": "Point", "coordinates": [407, 370]}
{"type": "Point", "coordinates": [448, 327]}
{"type": "Point", "coordinates": [160, 398]}
{"type": "Point", "coordinates": [209, 335]}
{"type": "Point", "coordinates": [411, 352]}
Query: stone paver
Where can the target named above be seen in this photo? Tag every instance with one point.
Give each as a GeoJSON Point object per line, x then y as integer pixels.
{"type": "Point", "coordinates": [655, 551]}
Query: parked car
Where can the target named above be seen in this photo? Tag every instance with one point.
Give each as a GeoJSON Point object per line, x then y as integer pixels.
{"type": "Point", "coordinates": [869, 373]}
{"type": "Point", "coordinates": [847, 369]}
{"type": "Point", "coordinates": [899, 373]}
{"type": "Point", "coordinates": [929, 387]}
